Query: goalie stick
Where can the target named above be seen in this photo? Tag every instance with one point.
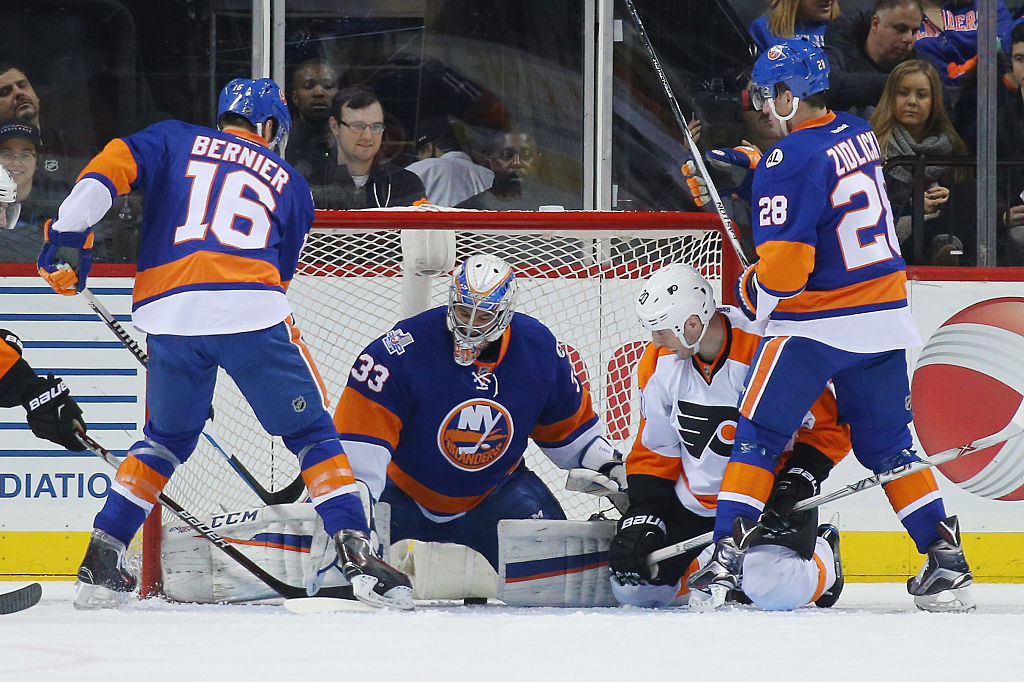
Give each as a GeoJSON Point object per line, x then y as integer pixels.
{"type": "Point", "coordinates": [698, 160]}
{"type": "Point", "coordinates": [289, 493]}
{"type": "Point", "coordinates": [282, 588]}
{"type": "Point", "coordinates": [1013, 429]}
{"type": "Point", "coordinates": [20, 599]}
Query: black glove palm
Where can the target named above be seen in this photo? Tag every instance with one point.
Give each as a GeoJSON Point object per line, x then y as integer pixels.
{"type": "Point", "coordinates": [637, 536]}
{"type": "Point", "coordinates": [52, 413]}
{"type": "Point", "coordinates": [791, 486]}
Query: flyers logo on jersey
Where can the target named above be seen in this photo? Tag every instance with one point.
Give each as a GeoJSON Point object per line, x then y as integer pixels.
{"type": "Point", "coordinates": [475, 434]}
{"type": "Point", "coordinates": [774, 52]}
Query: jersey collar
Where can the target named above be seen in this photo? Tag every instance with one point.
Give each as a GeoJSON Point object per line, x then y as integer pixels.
{"type": "Point", "coordinates": [822, 120]}
{"type": "Point", "coordinates": [505, 335]}
{"type": "Point", "coordinates": [252, 137]}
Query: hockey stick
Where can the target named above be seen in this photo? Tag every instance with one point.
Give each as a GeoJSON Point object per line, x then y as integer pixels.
{"type": "Point", "coordinates": [1013, 429]}
{"type": "Point", "coordinates": [288, 494]}
{"type": "Point", "coordinates": [20, 599]}
{"type": "Point", "coordinates": [698, 160]}
{"type": "Point", "coordinates": [282, 588]}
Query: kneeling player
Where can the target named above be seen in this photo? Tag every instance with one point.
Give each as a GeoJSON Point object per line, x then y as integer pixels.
{"type": "Point", "coordinates": [691, 376]}
{"type": "Point", "coordinates": [437, 413]}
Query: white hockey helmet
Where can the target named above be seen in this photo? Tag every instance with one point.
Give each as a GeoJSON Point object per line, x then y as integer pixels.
{"type": "Point", "coordinates": [481, 301]}
{"type": "Point", "coordinates": [10, 208]}
{"type": "Point", "coordinates": [670, 296]}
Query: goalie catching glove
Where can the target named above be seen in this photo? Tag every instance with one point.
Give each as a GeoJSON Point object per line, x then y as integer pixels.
{"type": "Point", "coordinates": [731, 169]}
{"type": "Point", "coordinates": [65, 260]}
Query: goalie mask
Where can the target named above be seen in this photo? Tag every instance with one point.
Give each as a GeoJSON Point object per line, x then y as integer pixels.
{"type": "Point", "coordinates": [481, 301]}
{"type": "Point", "coordinates": [670, 296]}
{"type": "Point", "coordinates": [10, 209]}
{"type": "Point", "coordinates": [257, 101]}
{"type": "Point", "coordinates": [799, 66]}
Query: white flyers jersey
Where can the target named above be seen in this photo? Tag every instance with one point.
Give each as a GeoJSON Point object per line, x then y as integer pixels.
{"type": "Point", "coordinates": [689, 413]}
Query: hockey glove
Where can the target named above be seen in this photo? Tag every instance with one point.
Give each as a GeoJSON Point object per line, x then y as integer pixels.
{"type": "Point", "coordinates": [746, 292]}
{"type": "Point", "coordinates": [636, 537]}
{"type": "Point", "coordinates": [695, 183]}
{"type": "Point", "coordinates": [52, 413]}
{"type": "Point", "coordinates": [791, 486]}
{"type": "Point", "coordinates": [65, 259]}
{"type": "Point", "coordinates": [736, 168]}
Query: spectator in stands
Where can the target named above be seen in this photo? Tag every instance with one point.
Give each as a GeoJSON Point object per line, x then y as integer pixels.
{"type": "Point", "coordinates": [38, 193]}
{"type": "Point", "coordinates": [18, 100]}
{"type": "Point", "coordinates": [863, 48]}
{"type": "Point", "coordinates": [793, 20]}
{"type": "Point", "coordinates": [354, 179]}
{"type": "Point", "coordinates": [911, 120]}
{"type": "Point", "coordinates": [948, 35]}
{"type": "Point", "coordinates": [449, 174]}
{"type": "Point", "coordinates": [314, 84]}
{"type": "Point", "coordinates": [515, 160]}
{"type": "Point", "coordinates": [1010, 147]}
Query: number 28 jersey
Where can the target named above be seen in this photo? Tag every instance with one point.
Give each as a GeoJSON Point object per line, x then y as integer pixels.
{"type": "Point", "coordinates": [225, 219]}
{"type": "Point", "coordinates": [830, 266]}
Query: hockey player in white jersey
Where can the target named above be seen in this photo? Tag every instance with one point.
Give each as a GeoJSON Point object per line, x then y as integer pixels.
{"type": "Point", "coordinates": [691, 376]}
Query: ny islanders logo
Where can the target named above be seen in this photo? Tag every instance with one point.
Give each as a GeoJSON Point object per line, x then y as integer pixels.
{"type": "Point", "coordinates": [475, 434]}
{"type": "Point", "coordinates": [774, 52]}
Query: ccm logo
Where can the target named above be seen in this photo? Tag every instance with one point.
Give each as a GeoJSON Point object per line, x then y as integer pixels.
{"type": "Point", "coordinates": [41, 400]}
{"type": "Point", "coordinates": [643, 519]}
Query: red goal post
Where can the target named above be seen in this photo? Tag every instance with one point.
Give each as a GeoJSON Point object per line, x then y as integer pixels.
{"type": "Point", "coordinates": [362, 271]}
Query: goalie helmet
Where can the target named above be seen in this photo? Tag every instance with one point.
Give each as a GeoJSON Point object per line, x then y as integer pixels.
{"type": "Point", "coordinates": [798, 65]}
{"type": "Point", "coordinates": [670, 296]}
{"type": "Point", "coordinates": [481, 301]}
{"type": "Point", "coordinates": [256, 101]}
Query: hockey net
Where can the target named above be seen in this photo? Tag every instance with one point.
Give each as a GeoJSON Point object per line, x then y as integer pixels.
{"type": "Point", "coordinates": [579, 273]}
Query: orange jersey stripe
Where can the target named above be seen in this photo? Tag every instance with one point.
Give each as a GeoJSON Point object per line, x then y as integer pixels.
{"type": "Point", "coordinates": [822, 120]}
{"type": "Point", "coordinates": [744, 346]}
{"type": "Point", "coordinates": [905, 491]}
{"type": "Point", "coordinates": [761, 374]}
{"type": "Point", "coordinates": [145, 482]}
{"type": "Point", "coordinates": [892, 287]}
{"type": "Point", "coordinates": [8, 356]}
{"type": "Point", "coordinates": [203, 267]}
{"type": "Point", "coordinates": [432, 500]}
{"type": "Point", "coordinates": [642, 460]}
{"type": "Point", "coordinates": [790, 265]}
{"type": "Point", "coordinates": [747, 479]}
{"type": "Point", "coordinates": [358, 415]}
{"type": "Point", "coordinates": [327, 476]}
{"type": "Point", "coordinates": [829, 437]}
{"type": "Point", "coordinates": [296, 337]}
{"type": "Point", "coordinates": [821, 578]}
{"type": "Point", "coordinates": [648, 363]}
{"type": "Point", "coordinates": [115, 163]}
{"type": "Point", "coordinates": [559, 431]}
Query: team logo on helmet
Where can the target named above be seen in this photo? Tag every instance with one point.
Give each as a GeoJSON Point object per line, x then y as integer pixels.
{"type": "Point", "coordinates": [475, 434]}
{"type": "Point", "coordinates": [774, 52]}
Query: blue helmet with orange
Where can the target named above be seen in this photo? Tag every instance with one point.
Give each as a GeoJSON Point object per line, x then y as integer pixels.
{"type": "Point", "coordinates": [798, 64]}
{"type": "Point", "coordinates": [257, 100]}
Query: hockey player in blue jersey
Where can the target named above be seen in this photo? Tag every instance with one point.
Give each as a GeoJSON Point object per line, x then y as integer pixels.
{"type": "Point", "coordinates": [831, 284]}
{"type": "Point", "coordinates": [438, 410]}
{"type": "Point", "coordinates": [225, 219]}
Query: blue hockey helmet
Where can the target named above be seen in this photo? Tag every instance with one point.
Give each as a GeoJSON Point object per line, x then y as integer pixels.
{"type": "Point", "coordinates": [256, 101]}
{"type": "Point", "coordinates": [798, 64]}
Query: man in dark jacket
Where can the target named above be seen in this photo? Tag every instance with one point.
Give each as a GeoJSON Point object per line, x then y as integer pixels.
{"type": "Point", "coordinates": [863, 48]}
{"type": "Point", "coordinates": [1010, 147]}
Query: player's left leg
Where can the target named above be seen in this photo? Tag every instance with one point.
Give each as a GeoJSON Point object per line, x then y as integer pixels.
{"type": "Point", "coordinates": [781, 578]}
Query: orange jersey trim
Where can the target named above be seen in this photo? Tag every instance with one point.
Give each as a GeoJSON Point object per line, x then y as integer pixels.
{"type": "Point", "coordinates": [892, 287]}
{"type": "Point", "coordinates": [828, 436]}
{"type": "Point", "coordinates": [296, 337]}
{"type": "Point", "coordinates": [757, 382]}
{"type": "Point", "coordinates": [203, 267]}
{"type": "Point", "coordinates": [115, 163]}
{"type": "Point", "coordinates": [432, 500]}
{"type": "Point", "coordinates": [821, 578]}
{"type": "Point", "coordinates": [327, 476]}
{"type": "Point", "coordinates": [744, 346]}
{"type": "Point", "coordinates": [144, 481]}
{"type": "Point", "coordinates": [357, 414]}
{"type": "Point", "coordinates": [643, 460]}
{"type": "Point", "coordinates": [905, 491]}
{"type": "Point", "coordinates": [747, 479]}
{"type": "Point", "coordinates": [792, 263]}
{"type": "Point", "coordinates": [648, 363]}
{"type": "Point", "coordinates": [8, 357]}
{"type": "Point", "coordinates": [560, 430]}
{"type": "Point", "coordinates": [822, 120]}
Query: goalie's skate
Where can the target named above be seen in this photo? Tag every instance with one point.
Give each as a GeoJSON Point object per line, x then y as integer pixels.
{"type": "Point", "coordinates": [710, 584]}
{"type": "Point", "coordinates": [943, 583]}
{"type": "Point", "coordinates": [373, 581]}
{"type": "Point", "coordinates": [104, 581]}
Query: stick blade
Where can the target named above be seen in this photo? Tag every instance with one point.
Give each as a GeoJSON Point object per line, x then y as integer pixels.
{"type": "Point", "coordinates": [21, 599]}
{"type": "Point", "coordinates": [325, 605]}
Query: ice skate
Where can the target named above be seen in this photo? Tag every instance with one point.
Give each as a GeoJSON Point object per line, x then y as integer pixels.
{"type": "Point", "coordinates": [830, 534]}
{"type": "Point", "coordinates": [710, 584]}
{"type": "Point", "coordinates": [104, 581]}
{"type": "Point", "coordinates": [373, 581]}
{"type": "Point", "coordinates": [942, 584]}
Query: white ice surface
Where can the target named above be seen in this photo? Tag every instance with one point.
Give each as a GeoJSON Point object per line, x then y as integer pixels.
{"type": "Point", "coordinates": [873, 633]}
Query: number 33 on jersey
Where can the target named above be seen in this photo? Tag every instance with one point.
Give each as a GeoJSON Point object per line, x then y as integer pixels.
{"type": "Point", "coordinates": [824, 232]}
{"type": "Point", "coordinates": [224, 223]}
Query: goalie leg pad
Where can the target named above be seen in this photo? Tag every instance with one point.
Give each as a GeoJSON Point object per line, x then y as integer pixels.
{"type": "Point", "coordinates": [776, 578]}
{"type": "Point", "coordinates": [554, 563]}
{"type": "Point", "coordinates": [443, 570]}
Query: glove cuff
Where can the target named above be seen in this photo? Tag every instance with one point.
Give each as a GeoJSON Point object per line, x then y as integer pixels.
{"type": "Point", "coordinates": [15, 384]}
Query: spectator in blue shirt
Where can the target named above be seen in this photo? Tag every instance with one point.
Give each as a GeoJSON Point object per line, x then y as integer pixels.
{"type": "Point", "coordinates": [793, 20]}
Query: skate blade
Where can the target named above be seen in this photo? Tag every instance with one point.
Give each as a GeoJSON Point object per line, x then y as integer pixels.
{"type": "Point", "coordinates": [711, 599]}
{"type": "Point", "coordinates": [959, 600]}
{"type": "Point", "coordinates": [88, 597]}
{"type": "Point", "coordinates": [396, 598]}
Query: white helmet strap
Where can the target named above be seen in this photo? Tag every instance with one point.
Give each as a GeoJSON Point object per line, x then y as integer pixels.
{"type": "Point", "coordinates": [783, 119]}
{"type": "Point", "coordinates": [695, 346]}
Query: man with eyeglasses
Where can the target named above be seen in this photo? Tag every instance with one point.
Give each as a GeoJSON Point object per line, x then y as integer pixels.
{"type": "Point", "coordinates": [356, 179]}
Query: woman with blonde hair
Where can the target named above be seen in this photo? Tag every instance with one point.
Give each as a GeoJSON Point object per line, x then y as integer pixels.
{"type": "Point", "coordinates": [911, 120]}
{"type": "Point", "coordinates": [788, 20]}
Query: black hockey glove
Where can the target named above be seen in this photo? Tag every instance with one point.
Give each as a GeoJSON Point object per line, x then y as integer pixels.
{"type": "Point", "coordinates": [52, 412]}
{"type": "Point", "coordinates": [791, 486]}
{"type": "Point", "coordinates": [636, 537]}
